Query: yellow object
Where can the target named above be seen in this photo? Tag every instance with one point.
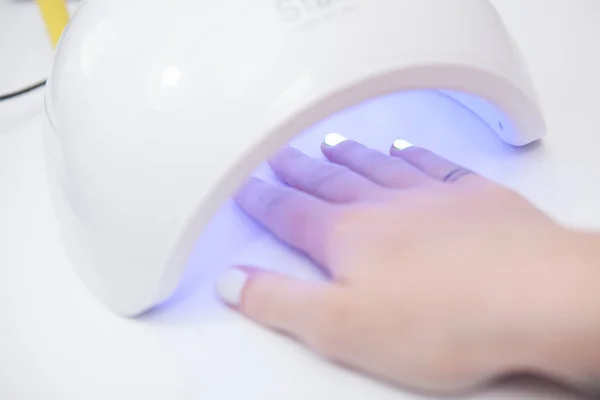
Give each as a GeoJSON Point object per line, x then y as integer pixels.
{"type": "Point", "coordinates": [55, 16]}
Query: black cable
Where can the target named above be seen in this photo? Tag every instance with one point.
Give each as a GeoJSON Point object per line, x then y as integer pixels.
{"type": "Point", "coordinates": [20, 92]}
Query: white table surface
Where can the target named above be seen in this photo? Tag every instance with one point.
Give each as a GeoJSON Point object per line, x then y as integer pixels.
{"type": "Point", "coordinates": [57, 342]}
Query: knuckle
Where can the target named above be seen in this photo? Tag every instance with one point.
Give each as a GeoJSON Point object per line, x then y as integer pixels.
{"type": "Point", "coordinates": [269, 202]}
{"type": "Point", "coordinates": [324, 177]}
{"type": "Point", "coordinates": [416, 153]}
{"type": "Point", "coordinates": [388, 169]}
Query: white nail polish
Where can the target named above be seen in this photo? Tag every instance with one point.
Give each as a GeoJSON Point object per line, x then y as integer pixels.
{"type": "Point", "coordinates": [333, 139]}
{"type": "Point", "coordinates": [231, 286]}
{"type": "Point", "coordinates": [401, 144]}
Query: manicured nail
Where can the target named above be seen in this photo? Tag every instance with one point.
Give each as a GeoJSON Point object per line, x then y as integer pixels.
{"type": "Point", "coordinates": [333, 139]}
{"type": "Point", "coordinates": [231, 286]}
{"type": "Point", "coordinates": [401, 144]}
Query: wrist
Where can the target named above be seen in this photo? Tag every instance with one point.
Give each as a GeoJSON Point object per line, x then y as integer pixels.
{"type": "Point", "coordinates": [563, 338]}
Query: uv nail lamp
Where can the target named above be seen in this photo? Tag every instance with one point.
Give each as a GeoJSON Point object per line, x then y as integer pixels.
{"type": "Point", "coordinates": [157, 111]}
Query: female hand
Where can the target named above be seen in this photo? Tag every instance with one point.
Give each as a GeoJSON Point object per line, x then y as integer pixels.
{"type": "Point", "coordinates": [440, 280]}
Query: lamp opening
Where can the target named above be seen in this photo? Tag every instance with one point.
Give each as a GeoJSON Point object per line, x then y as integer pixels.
{"type": "Point", "coordinates": [455, 125]}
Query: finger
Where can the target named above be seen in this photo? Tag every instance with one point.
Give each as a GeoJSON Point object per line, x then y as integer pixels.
{"type": "Point", "coordinates": [432, 164]}
{"type": "Point", "coordinates": [300, 220]}
{"type": "Point", "coordinates": [378, 167]}
{"type": "Point", "coordinates": [323, 179]}
{"type": "Point", "coordinates": [275, 301]}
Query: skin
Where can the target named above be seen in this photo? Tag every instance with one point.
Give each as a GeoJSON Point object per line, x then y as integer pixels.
{"type": "Point", "coordinates": [437, 286]}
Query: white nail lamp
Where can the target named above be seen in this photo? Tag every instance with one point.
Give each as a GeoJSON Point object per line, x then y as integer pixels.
{"type": "Point", "coordinates": [156, 111]}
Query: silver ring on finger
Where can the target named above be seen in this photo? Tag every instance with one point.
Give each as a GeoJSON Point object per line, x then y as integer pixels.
{"type": "Point", "coordinates": [457, 174]}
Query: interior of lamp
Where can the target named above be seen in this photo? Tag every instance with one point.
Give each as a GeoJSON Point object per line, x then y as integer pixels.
{"type": "Point", "coordinates": [437, 120]}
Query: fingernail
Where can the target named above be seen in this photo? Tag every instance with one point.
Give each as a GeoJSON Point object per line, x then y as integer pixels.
{"type": "Point", "coordinates": [401, 144]}
{"type": "Point", "coordinates": [231, 286]}
{"type": "Point", "coordinates": [333, 139]}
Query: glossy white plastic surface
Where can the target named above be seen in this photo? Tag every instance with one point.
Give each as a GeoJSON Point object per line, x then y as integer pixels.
{"type": "Point", "coordinates": [156, 111]}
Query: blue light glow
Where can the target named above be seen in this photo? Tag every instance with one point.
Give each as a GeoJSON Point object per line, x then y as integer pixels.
{"type": "Point", "coordinates": [436, 120]}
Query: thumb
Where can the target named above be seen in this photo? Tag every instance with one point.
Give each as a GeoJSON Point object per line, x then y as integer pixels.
{"type": "Point", "coordinates": [276, 301]}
